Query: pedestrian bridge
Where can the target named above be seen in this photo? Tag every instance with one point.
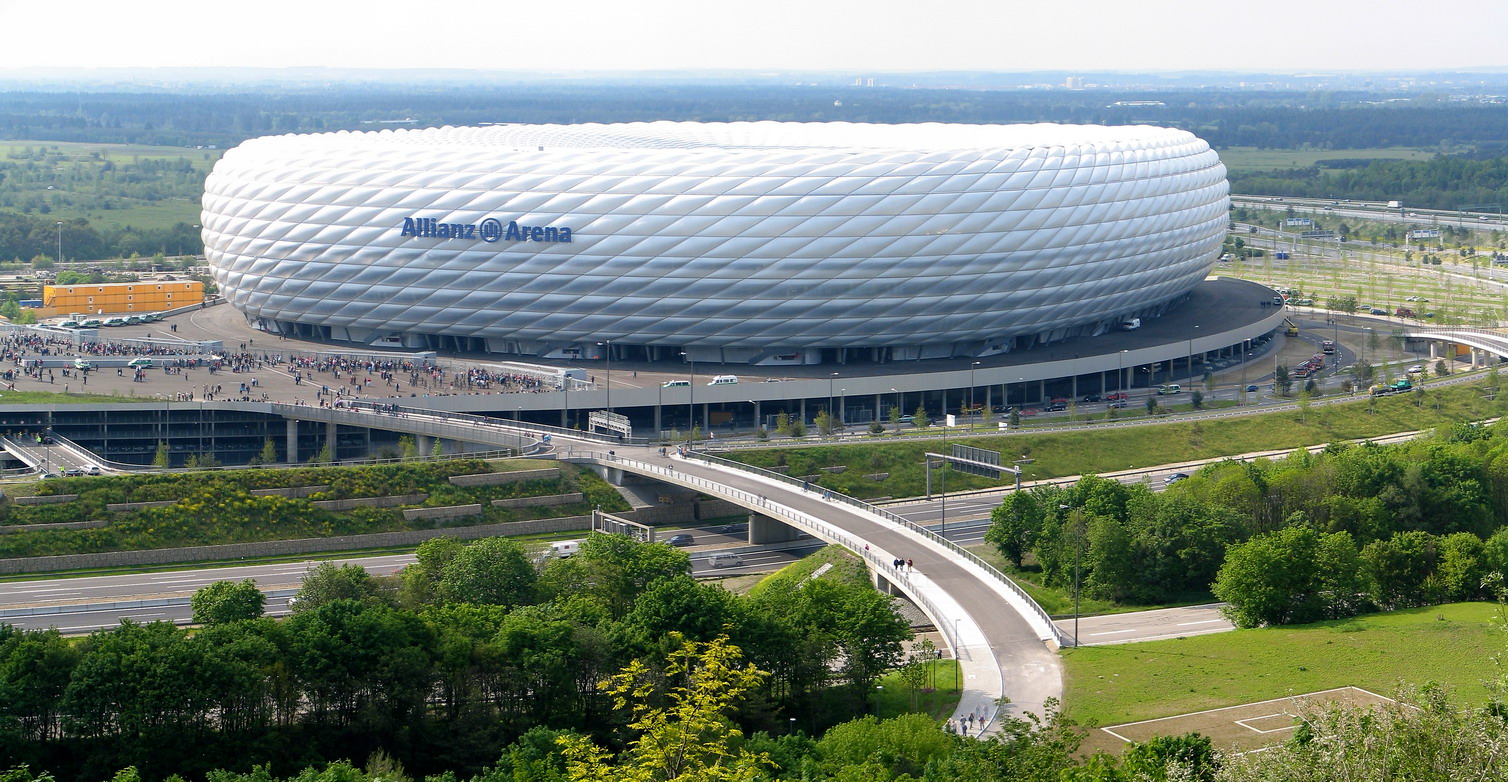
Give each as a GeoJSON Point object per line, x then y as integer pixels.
{"type": "Point", "coordinates": [1002, 639]}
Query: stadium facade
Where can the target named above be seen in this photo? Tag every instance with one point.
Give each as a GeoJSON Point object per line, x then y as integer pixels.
{"type": "Point", "coordinates": [755, 242]}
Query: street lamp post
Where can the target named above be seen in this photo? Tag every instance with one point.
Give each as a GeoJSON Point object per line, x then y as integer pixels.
{"type": "Point", "coordinates": [60, 241]}
{"type": "Point", "coordinates": [1191, 356]}
{"type": "Point", "coordinates": [1078, 546]}
{"type": "Point", "coordinates": [971, 384]}
{"type": "Point", "coordinates": [830, 397]}
{"type": "Point", "coordinates": [897, 406]}
{"type": "Point", "coordinates": [691, 395]}
{"type": "Point", "coordinates": [607, 346]}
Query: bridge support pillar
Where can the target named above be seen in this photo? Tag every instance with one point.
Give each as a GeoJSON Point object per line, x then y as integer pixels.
{"type": "Point", "coordinates": [763, 529]}
{"type": "Point", "coordinates": [423, 443]}
{"type": "Point", "coordinates": [1434, 350]}
{"type": "Point", "coordinates": [1474, 357]}
{"type": "Point", "coordinates": [292, 441]}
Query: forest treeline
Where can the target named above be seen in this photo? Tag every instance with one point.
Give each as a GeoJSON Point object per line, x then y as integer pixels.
{"type": "Point", "coordinates": [1439, 183]}
{"type": "Point", "coordinates": [1312, 536]}
{"type": "Point", "coordinates": [441, 666]}
{"type": "Point", "coordinates": [1269, 120]}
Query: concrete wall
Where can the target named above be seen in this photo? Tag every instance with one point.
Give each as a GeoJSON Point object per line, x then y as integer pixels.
{"type": "Point", "coordinates": [289, 547]}
{"type": "Point", "coordinates": [444, 512]}
{"type": "Point", "coordinates": [545, 501]}
{"type": "Point", "coordinates": [495, 478]}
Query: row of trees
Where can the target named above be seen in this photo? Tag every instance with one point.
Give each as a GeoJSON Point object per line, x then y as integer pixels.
{"type": "Point", "coordinates": [26, 237]}
{"type": "Point", "coordinates": [1439, 183]}
{"type": "Point", "coordinates": [1135, 545]}
{"type": "Point", "coordinates": [441, 665]}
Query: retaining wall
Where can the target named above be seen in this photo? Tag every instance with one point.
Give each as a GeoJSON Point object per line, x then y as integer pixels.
{"type": "Point", "coordinates": [494, 478]}
{"type": "Point", "coordinates": [125, 507]}
{"type": "Point", "coordinates": [545, 501]}
{"type": "Point", "coordinates": [444, 512]}
{"type": "Point", "coordinates": [8, 529]}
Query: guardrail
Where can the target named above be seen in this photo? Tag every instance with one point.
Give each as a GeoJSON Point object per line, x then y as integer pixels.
{"type": "Point", "coordinates": [514, 428]}
{"type": "Point", "coordinates": [908, 524]}
{"type": "Point", "coordinates": [786, 512]}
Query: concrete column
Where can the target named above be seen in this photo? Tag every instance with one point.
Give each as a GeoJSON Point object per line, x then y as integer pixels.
{"type": "Point", "coordinates": [1042, 390]}
{"type": "Point", "coordinates": [1474, 354]}
{"type": "Point", "coordinates": [292, 438]}
{"type": "Point", "coordinates": [658, 428]}
{"type": "Point", "coordinates": [1074, 393]}
{"type": "Point", "coordinates": [989, 404]}
{"type": "Point", "coordinates": [1434, 350]}
{"type": "Point", "coordinates": [763, 529]}
{"type": "Point", "coordinates": [758, 419]}
{"type": "Point", "coordinates": [423, 443]}
{"type": "Point", "coordinates": [803, 409]}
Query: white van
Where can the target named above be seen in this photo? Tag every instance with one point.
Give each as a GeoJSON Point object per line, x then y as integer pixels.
{"type": "Point", "coordinates": [676, 384]}
{"type": "Point", "coordinates": [563, 548]}
{"type": "Point", "coordinates": [724, 380]}
{"type": "Point", "coordinates": [725, 559]}
{"type": "Point", "coordinates": [1130, 324]}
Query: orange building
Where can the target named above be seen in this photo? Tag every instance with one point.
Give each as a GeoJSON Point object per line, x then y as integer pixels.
{"type": "Point", "coordinates": [113, 297]}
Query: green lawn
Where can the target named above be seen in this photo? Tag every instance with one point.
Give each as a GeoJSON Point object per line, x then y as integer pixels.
{"type": "Point", "coordinates": [1456, 645]}
{"type": "Point", "coordinates": [1253, 159]}
{"type": "Point", "coordinates": [1106, 450]}
{"type": "Point", "coordinates": [937, 696]}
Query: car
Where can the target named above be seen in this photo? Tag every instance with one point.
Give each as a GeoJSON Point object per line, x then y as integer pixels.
{"type": "Point", "coordinates": [1377, 311]}
{"type": "Point", "coordinates": [1170, 388]}
{"type": "Point", "coordinates": [83, 364]}
{"type": "Point", "coordinates": [1410, 298]}
{"type": "Point", "coordinates": [1116, 403]}
{"type": "Point", "coordinates": [1117, 396]}
{"type": "Point", "coordinates": [1252, 387]}
{"type": "Point", "coordinates": [92, 469]}
{"type": "Point", "coordinates": [151, 317]}
{"type": "Point", "coordinates": [69, 324]}
{"type": "Point", "coordinates": [92, 323]}
{"type": "Point", "coordinates": [1030, 411]}
{"type": "Point", "coordinates": [116, 322]}
{"type": "Point", "coordinates": [683, 539]}
{"type": "Point", "coordinates": [1176, 477]}
{"type": "Point", "coordinates": [1091, 397]}
{"type": "Point", "coordinates": [142, 363]}
{"type": "Point", "coordinates": [729, 529]}
{"type": "Point", "coordinates": [906, 419]}
{"type": "Point", "coordinates": [73, 472]}
{"type": "Point", "coordinates": [133, 320]}
{"type": "Point", "coordinates": [1417, 369]}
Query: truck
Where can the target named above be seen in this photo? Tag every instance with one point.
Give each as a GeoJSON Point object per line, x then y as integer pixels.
{"type": "Point", "coordinates": [1130, 324]}
{"type": "Point", "coordinates": [1394, 205]}
{"type": "Point", "coordinates": [1293, 328]}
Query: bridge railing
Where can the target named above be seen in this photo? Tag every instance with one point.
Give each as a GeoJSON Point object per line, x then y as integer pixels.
{"type": "Point", "coordinates": [776, 509]}
{"type": "Point", "coordinates": [522, 428]}
{"type": "Point", "coordinates": [1062, 638]}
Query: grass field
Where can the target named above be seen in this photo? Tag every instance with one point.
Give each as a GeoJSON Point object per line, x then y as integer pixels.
{"type": "Point", "coordinates": [1456, 645]}
{"type": "Point", "coordinates": [1253, 159]}
{"type": "Point", "coordinates": [81, 187]}
{"type": "Point", "coordinates": [1107, 450]}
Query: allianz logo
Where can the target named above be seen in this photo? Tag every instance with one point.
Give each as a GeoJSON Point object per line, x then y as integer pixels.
{"type": "Point", "coordinates": [489, 230]}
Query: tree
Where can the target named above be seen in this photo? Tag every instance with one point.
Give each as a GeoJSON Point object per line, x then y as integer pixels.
{"type": "Point", "coordinates": [1151, 405]}
{"type": "Point", "coordinates": [1442, 369]}
{"type": "Point", "coordinates": [825, 423]}
{"type": "Point", "coordinates": [323, 455]}
{"type": "Point", "coordinates": [1014, 419]}
{"type": "Point", "coordinates": [227, 601]}
{"type": "Point", "coordinates": [160, 459]}
{"type": "Point", "coordinates": [269, 454]}
{"type": "Point", "coordinates": [406, 447]}
{"type": "Point", "coordinates": [690, 736]}
{"type": "Point", "coordinates": [1196, 400]}
{"type": "Point", "coordinates": [328, 582]}
{"type": "Point", "coordinates": [783, 423]}
{"type": "Point", "coordinates": [439, 448]}
{"type": "Point", "coordinates": [1278, 578]}
{"type": "Point", "coordinates": [1281, 381]}
{"type": "Point", "coordinates": [919, 419]}
{"type": "Point", "coordinates": [895, 417]}
{"type": "Point", "coordinates": [491, 571]}
{"type": "Point", "coordinates": [1014, 525]}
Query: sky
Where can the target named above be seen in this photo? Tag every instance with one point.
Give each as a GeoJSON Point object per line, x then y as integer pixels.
{"type": "Point", "coordinates": [761, 35]}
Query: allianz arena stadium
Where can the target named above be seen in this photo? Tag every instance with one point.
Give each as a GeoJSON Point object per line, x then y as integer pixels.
{"type": "Point", "coordinates": [758, 242]}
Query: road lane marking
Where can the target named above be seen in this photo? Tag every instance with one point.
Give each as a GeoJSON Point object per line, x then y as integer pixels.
{"type": "Point", "coordinates": [1114, 632]}
{"type": "Point", "coordinates": [1201, 622]}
